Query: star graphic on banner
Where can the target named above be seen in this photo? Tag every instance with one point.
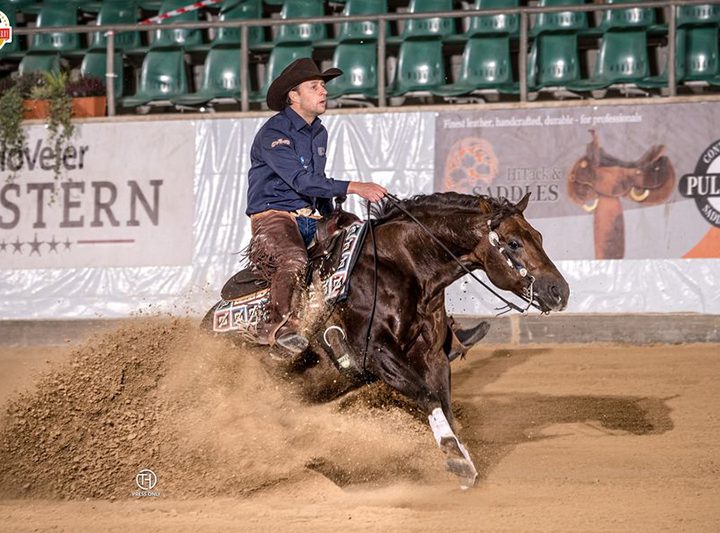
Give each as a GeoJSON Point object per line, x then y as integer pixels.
{"type": "Point", "coordinates": [35, 245]}
{"type": "Point", "coordinates": [53, 244]}
{"type": "Point", "coordinates": [17, 245]}
{"type": "Point", "coordinates": [67, 243]}
{"type": "Point", "coordinates": [3, 245]}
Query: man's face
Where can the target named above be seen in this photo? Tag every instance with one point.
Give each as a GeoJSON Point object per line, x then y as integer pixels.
{"type": "Point", "coordinates": [309, 98]}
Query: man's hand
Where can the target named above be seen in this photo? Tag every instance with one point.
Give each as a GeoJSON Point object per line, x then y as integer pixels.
{"type": "Point", "coordinates": [372, 192]}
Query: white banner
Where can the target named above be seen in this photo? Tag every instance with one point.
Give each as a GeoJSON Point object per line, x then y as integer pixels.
{"type": "Point", "coordinates": [124, 198]}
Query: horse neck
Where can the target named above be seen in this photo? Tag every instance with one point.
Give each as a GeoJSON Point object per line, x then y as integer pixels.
{"type": "Point", "coordinates": [458, 231]}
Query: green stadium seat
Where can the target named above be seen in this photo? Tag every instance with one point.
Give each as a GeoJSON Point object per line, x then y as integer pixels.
{"type": "Point", "coordinates": [221, 78]}
{"type": "Point", "coordinates": [39, 62]}
{"type": "Point", "coordinates": [94, 64]}
{"type": "Point", "coordinates": [554, 60]}
{"type": "Point", "coordinates": [56, 14]}
{"type": "Point", "coordinates": [162, 77]}
{"type": "Point", "coordinates": [631, 18]}
{"type": "Point", "coordinates": [298, 33]}
{"type": "Point", "coordinates": [117, 12]}
{"type": "Point", "coordinates": [622, 59]}
{"type": "Point", "coordinates": [420, 67]}
{"type": "Point", "coordinates": [239, 10]}
{"type": "Point", "coordinates": [485, 65]}
{"type": "Point", "coordinates": [280, 57]}
{"type": "Point", "coordinates": [429, 27]}
{"type": "Point", "coordinates": [698, 15]}
{"type": "Point", "coordinates": [561, 21]}
{"type": "Point", "coordinates": [696, 57]}
{"type": "Point", "coordinates": [494, 24]}
{"type": "Point", "coordinates": [364, 30]}
{"type": "Point", "coordinates": [177, 37]}
{"type": "Point", "coordinates": [358, 61]}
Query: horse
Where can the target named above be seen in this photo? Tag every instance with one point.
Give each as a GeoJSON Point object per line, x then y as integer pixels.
{"type": "Point", "coordinates": [393, 327]}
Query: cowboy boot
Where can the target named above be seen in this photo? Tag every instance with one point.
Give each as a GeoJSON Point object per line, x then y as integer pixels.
{"type": "Point", "coordinates": [284, 330]}
{"type": "Point", "coordinates": [459, 341]}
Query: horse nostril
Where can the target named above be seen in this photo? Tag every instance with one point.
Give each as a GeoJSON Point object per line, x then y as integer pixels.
{"type": "Point", "coordinates": [555, 291]}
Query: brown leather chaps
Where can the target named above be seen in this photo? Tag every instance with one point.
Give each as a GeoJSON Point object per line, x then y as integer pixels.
{"type": "Point", "coordinates": [278, 254]}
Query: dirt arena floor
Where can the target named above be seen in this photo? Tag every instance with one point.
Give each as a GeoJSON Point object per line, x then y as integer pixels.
{"type": "Point", "coordinates": [566, 438]}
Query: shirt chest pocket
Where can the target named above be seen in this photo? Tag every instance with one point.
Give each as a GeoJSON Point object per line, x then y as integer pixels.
{"type": "Point", "coordinates": [319, 156]}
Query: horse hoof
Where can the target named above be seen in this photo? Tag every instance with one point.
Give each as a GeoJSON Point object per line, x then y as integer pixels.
{"type": "Point", "coordinates": [458, 462]}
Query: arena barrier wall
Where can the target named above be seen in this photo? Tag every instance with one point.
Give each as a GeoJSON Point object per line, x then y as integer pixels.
{"type": "Point", "coordinates": [149, 214]}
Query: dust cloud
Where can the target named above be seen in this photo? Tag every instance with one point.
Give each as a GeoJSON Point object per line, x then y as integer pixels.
{"type": "Point", "coordinates": [208, 417]}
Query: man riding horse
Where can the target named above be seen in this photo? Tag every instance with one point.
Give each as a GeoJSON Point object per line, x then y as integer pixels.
{"type": "Point", "coordinates": [288, 192]}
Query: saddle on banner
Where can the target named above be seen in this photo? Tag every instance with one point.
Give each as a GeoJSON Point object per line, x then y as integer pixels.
{"type": "Point", "coordinates": [597, 181]}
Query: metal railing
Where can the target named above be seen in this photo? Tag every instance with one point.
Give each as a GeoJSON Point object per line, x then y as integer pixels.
{"type": "Point", "coordinates": [381, 19]}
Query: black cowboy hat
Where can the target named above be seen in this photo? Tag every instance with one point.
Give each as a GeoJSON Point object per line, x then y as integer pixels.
{"type": "Point", "coordinates": [295, 73]}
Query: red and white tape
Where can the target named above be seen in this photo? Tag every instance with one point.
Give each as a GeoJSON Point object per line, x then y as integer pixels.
{"type": "Point", "coordinates": [179, 11]}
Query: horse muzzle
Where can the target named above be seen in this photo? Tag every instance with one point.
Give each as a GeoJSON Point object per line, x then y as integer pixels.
{"type": "Point", "coordinates": [551, 293]}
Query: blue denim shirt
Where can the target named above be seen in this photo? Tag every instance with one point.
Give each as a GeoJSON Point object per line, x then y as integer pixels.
{"type": "Point", "coordinates": [287, 169]}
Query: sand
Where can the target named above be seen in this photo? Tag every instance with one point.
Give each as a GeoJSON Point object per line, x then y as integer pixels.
{"type": "Point", "coordinates": [565, 438]}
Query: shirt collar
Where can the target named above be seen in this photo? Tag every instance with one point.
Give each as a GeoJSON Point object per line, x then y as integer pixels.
{"type": "Point", "coordinates": [298, 121]}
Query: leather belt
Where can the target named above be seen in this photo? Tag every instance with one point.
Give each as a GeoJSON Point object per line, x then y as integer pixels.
{"type": "Point", "coordinates": [307, 212]}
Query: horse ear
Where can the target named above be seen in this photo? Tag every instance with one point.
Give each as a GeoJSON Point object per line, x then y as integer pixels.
{"type": "Point", "coordinates": [522, 204]}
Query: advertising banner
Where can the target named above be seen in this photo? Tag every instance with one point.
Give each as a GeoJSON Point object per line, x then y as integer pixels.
{"type": "Point", "coordinates": [123, 197]}
{"type": "Point", "coordinates": [630, 182]}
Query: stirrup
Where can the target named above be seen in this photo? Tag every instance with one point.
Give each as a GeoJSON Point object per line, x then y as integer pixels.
{"type": "Point", "coordinates": [291, 341]}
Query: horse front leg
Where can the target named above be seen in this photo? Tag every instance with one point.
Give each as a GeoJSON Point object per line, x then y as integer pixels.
{"type": "Point", "coordinates": [430, 389]}
{"type": "Point", "coordinates": [458, 460]}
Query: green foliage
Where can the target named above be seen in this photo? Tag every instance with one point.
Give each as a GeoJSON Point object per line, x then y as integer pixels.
{"type": "Point", "coordinates": [12, 134]}
{"type": "Point", "coordinates": [40, 86]}
{"type": "Point", "coordinates": [59, 126]}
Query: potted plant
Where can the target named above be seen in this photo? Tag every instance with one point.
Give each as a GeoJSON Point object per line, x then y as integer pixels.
{"type": "Point", "coordinates": [88, 97]}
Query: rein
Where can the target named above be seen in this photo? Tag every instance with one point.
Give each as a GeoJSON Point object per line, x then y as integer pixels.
{"type": "Point", "coordinates": [510, 306]}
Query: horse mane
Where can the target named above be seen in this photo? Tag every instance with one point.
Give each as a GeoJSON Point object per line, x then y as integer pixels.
{"type": "Point", "coordinates": [386, 210]}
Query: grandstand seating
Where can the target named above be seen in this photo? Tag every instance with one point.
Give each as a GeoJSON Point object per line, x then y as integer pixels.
{"type": "Point", "coordinates": [117, 12]}
{"type": "Point", "coordinates": [494, 24]}
{"type": "Point", "coordinates": [358, 61]}
{"type": "Point", "coordinates": [294, 33]}
{"type": "Point", "coordinates": [619, 50]}
{"type": "Point", "coordinates": [36, 62]}
{"type": "Point", "coordinates": [554, 56]}
{"type": "Point", "coordinates": [365, 30]}
{"type": "Point", "coordinates": [94, 64]}
{"type": "Point", "coordinates": [623, 54]}
{"type": "Point", "coordinates": [235, 10]}
{"type": "Point", "coordinates": [162, 77]}
{"type": "Point", "coordinates": [221, 78]}
{"type": "Point", "coordinates": [420, 67]}
{"type": "Point", "coordinates": [177, 37]}
{"type": "Point", "coordinates": [56, 14]}
{"type": "Point", "coordinates": [429, 27]}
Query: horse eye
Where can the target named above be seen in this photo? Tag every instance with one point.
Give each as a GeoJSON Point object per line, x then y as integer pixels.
{"type": "Point", "coordinates": [513, 244]}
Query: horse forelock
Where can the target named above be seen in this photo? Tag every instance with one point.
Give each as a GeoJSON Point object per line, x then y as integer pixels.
{"type": "Point", "coordinates": [439, 202]}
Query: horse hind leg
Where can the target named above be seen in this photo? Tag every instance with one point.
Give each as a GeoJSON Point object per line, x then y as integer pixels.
{"type": "Point", "coordinates": [458, 459]}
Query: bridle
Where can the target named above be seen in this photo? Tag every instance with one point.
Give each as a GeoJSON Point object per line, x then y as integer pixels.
{"type": "Point", "coordinates": [495, 243]}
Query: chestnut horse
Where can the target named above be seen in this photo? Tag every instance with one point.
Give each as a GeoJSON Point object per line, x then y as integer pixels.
{"type": "Point", "coordinates": [392, 326]}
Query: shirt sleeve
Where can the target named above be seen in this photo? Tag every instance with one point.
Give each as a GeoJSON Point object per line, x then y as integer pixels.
{"type": "Point", "coordinates": [278, 151]}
